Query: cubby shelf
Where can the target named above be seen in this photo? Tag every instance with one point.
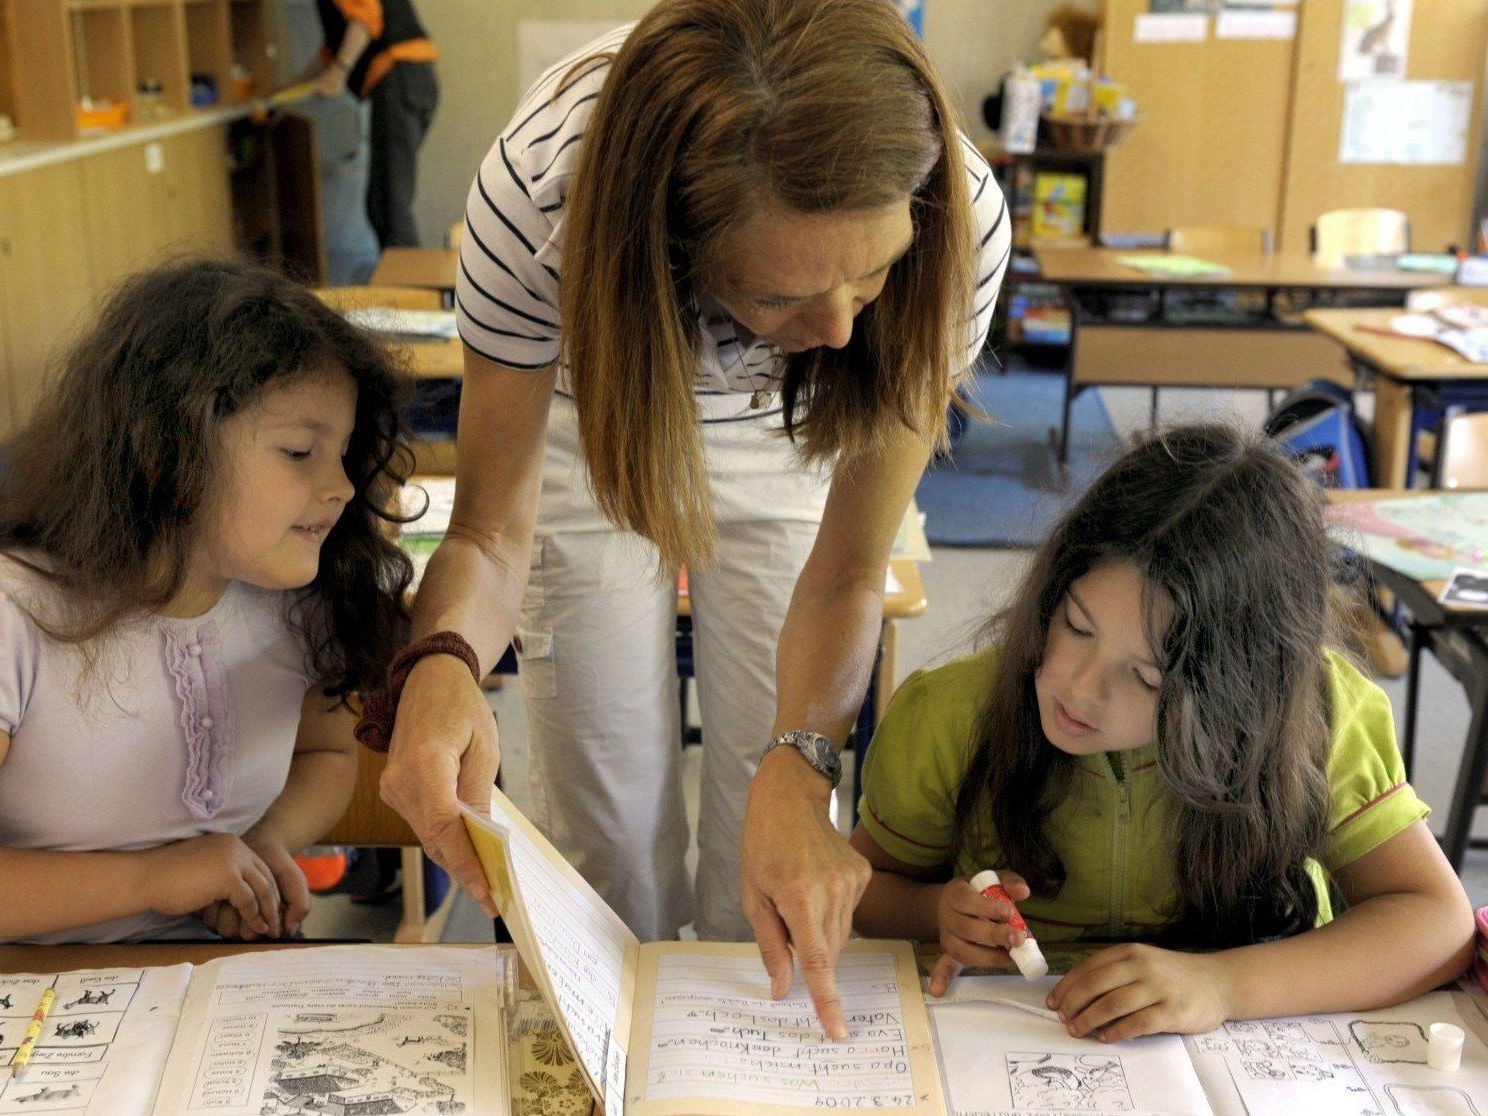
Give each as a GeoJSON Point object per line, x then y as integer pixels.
{"type": "Point", "coordinates": [139, 54]}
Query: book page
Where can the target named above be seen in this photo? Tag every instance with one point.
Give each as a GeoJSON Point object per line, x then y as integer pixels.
{"type": "Point", "coordinates": [103, 1044]}
{"type": "Point", "coordinates": [996, 1057]}
{"type": "Point", "coordinates": [1349, 1063]}
{"type": "Point", "coordinates": [708, 1039]}
{"type": "Point", "coordinates": [580, 953]}
{"type": "Point", "coordinates": [410, 1029]}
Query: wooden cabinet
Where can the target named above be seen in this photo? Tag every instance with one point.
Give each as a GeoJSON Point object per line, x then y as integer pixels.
{"type": "Point", "coordinates": [149, 201]}
{"type": "Point", "coordinates": [53, 53]}
{"type": "Point", "coordinates": [46, 291]}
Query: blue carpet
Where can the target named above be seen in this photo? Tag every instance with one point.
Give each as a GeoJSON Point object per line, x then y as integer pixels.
{"type": "Point", "coordinates": [1000, 487]}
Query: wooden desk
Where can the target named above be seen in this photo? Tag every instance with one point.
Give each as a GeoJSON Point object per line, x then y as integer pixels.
{"type": "Point", "coordinates": [1458, 637]}
{"type": "Point", "coordinates": [434, 268]}
{"type": "Point", "coordinates": [1257, 351]}
{"type": "Point", "coordinates": [1411, 377]}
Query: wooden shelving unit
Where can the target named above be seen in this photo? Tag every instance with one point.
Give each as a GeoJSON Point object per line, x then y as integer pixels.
{"type": "Point", "coordinates": [53, 53]}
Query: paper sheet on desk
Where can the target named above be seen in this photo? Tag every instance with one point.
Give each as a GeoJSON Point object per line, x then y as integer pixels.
{"type": "Point", "coordinates": [1348, 1064]}
{"type": "Point", "coordinates": [104, 1042]}
{"type": "Point", "coordinates": [995, 1058]}
{"type": "Point", "coordinates": [422, 1026]}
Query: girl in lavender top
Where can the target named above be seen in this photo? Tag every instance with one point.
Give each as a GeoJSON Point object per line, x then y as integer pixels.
{"type": "Point", "coordinates": [195, 577]}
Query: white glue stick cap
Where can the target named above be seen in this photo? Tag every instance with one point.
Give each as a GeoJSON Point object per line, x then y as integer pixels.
{"type": "Point", "coordinates": [1444, 1051]}
{"type": "Point", "coordinates": [983, 880]}
{"type": "Point", "coordinates": [1030, 961]}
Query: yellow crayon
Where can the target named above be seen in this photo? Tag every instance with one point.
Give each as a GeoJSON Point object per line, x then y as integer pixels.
{"type": "Point", "coordinates": [33, 1032]}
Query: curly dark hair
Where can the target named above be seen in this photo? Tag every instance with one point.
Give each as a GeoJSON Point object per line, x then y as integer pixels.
{"type": "Point", "coordinates": [105, 483]}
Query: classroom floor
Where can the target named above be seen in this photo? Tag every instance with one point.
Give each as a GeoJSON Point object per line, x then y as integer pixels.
{"type": "Point", "coordinates": [963, 586]}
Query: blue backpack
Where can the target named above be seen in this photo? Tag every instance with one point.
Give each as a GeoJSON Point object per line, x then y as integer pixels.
{"type": "Point", "coordinates": [1318, 426]}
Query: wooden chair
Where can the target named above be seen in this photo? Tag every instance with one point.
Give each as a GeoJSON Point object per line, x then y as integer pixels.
{"type": "Point", "coordinates": [1359, 232]}
{"type": "Point", "coordinates": [1462, 451]}
{"type": "Point", "coordinates": [371, 823]}
{"type": "Point", "coordinates": [1197, 240]}
{"type": "Point", "coordinates": [394, 298]}
{"type": "Point", "coordinates": [456, 231]}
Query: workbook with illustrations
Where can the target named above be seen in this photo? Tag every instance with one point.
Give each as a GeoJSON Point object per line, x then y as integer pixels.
{"type": "Point", "coordinates": [666, 1028]}
{"type": "Point", "coordinates": [332, 1029]}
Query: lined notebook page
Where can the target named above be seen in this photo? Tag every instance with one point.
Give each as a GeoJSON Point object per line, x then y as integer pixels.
{"type": "Point", "coordinates": [714, 1033]}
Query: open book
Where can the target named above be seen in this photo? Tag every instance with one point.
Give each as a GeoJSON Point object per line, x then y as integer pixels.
{"type": "Point", "coordinates": [668, 1028]}
{"type": "Point", "coordinates": [684, 1027]}
{"type": "Point", "coordinates": [329, 1029]}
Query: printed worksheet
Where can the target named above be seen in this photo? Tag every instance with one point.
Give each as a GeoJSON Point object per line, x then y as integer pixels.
{"type": "Point", "coordinates": [996, 1057]}
{"type": "Point", "coordinates": [103, 1044]}
{"type": "Point", "coordinates": [340, 1029]}
{"type": "Point", "coordinates": [1369, 1063]}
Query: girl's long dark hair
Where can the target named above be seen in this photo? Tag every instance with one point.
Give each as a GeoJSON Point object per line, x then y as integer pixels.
{"type": "Point", "coordinates": [105, 483]}
{"type": "Point", "coordinates": [1232, 532]}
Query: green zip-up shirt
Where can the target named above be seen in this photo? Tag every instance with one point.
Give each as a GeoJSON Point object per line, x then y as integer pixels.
{"type": "Point", "coordinates": [1115, 830]}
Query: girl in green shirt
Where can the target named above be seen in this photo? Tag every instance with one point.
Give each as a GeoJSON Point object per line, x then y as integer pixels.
{"type": "Point", "coordinates": [1161, 746]}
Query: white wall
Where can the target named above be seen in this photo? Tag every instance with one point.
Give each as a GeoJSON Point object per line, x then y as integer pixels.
{"type": "Point", "coordinates": [974, 42]}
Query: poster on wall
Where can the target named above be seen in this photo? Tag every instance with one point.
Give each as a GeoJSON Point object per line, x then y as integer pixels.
{"type": "Point", "coordinates": [1420, 123]}
{"type": "Point", "coordinates": [1256, 19]}
{"type": "Point", "coordinates": [1376, 39]}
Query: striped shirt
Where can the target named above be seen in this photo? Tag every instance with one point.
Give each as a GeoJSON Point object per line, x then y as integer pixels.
{"type": "Point", "coordinates": [506, 293]}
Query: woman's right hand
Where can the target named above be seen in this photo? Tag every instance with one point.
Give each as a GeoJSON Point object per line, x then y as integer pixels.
{"type": "Point", "coordinates": [187, 876]}
{"type": "Point", "coordinates": [974, 930]}
{"type": "Point", "coordinates": [444, 752]}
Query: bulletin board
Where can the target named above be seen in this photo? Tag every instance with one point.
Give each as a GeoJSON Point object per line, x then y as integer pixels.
{"type": "Point", "coordinates": [1447, 42]}
{"type": "Point", "coordinates": [1209, 147]}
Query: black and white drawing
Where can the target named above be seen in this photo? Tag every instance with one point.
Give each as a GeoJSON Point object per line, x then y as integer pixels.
{"type": "Point", "coordinates": [1069, 1082]}
{"type": "Point", "coordinates": [1430, 1100]}
{"type": "Point", "coordinates": [365, 1060]}
{"type": "Point", "coordinates": [1385, 1041]}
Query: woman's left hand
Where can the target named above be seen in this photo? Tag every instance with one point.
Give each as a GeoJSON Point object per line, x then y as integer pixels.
{"type": "Point", "coordinates": [1132, 990]}
{"type": "Point", "coordinates": [802, 881]}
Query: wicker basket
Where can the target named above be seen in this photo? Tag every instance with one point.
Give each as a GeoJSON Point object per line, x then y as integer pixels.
{"type": "Point", "coordinates": [1082, 132]}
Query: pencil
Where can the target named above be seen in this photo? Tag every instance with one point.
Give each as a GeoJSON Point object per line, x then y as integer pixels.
{"type": "Point", "coordinates": [33, 1032]}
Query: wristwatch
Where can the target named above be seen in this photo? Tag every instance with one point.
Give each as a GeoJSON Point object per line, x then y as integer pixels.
{"type": "Point", "coordinates": [815, 749]}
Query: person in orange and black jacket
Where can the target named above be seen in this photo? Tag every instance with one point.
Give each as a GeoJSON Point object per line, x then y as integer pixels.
{"type": "Point", "coordinates": [377, 49]}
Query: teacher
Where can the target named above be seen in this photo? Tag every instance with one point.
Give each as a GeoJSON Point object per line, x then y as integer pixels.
{"type": "Point", "coordinates": [719, 278]}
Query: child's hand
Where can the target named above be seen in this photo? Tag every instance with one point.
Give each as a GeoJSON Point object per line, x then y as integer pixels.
{"type": "Point", "coordinates": [294, 892]}
{"type": "Point", "coordinates": [1133, 990]}
{"type": "Point", "coordinates": [974, 929]}
{"type": "Point", "coordinates": [224, 920]}
{"type": "Point", "coordinates": [188, 876]}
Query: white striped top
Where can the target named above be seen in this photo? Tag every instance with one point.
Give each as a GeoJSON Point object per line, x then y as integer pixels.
{"type": "Point", "coordinates": [506, 293]}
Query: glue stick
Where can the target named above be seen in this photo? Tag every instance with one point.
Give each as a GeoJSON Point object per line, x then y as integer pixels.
{"type": "Point", "coordinates": [1028, 957]}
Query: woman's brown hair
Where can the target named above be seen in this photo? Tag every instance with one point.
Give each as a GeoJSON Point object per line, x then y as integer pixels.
{"type": "Point", "coordinates": [103, 488]}
{"type": "Point", "coordinates": [1234, 535]}
{"type": "Point", "coordinates": [713, 112]}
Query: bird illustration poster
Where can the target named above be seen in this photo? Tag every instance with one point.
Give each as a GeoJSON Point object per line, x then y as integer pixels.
{"type": "Point", "coordinates": [1376, 39]}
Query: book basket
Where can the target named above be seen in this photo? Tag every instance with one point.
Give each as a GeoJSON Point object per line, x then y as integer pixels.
{"type": "Point", "coordinates": [1082, 132]}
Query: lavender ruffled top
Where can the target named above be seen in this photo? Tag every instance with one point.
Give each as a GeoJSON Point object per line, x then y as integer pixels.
{"type": "Point", "coordinates": [183, 727]}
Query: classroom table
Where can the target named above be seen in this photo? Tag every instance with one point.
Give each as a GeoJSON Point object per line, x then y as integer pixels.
{"type": "Point", "coordinates": [1413, 379]}
{"type": "Point", "coordinates": [1164, 348]}
{"type": "Point", "coordinates": [417, 267]}
{"type": "Point", "coordinates": [1458, 637]}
